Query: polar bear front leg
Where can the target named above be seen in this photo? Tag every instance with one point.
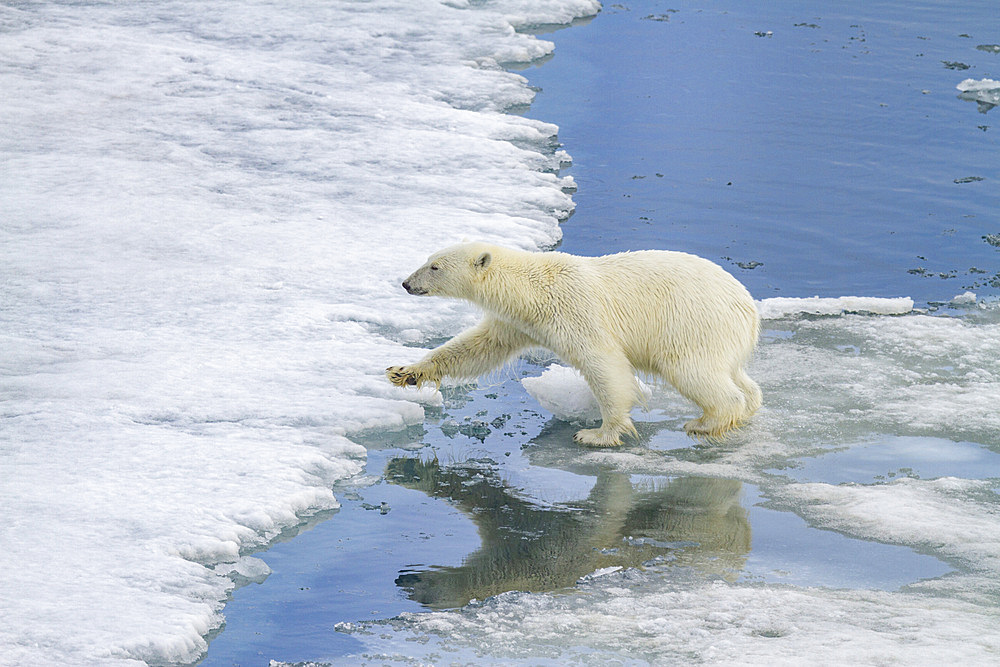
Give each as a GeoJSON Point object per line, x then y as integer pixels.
{"type": "Point", "coordinates": [475, 351]}
{"type": "Point", "coordinates": [612, 380]}
{"type": "Point", "coordinates": [414, 375]}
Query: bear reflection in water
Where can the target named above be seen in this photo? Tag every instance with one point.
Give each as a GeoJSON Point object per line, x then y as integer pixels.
{"type": "Point", "coordinates": [693, 521]}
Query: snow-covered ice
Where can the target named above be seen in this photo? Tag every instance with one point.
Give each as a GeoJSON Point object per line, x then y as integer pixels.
{"type": "Point", "coordinates": [206, 210]}
{"type": "Point", "coordinates": [633, 618]}
{"type": "Point", "coordinates": [973, 85]}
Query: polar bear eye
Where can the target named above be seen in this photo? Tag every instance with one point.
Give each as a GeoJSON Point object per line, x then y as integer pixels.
{"type": "Point", "coordinates": [434, 267]}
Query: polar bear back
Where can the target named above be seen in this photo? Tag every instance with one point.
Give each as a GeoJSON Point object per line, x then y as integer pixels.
{"type": "Point", "coordinates": [658, 306]}
{"type": "Point", "coordinates": [661, 302]}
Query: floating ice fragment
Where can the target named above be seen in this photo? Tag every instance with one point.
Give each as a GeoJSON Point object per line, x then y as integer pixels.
{"type": "Point", "coordinates": [966, 298]}
{"type": "Point", "coordinates": [984, 92]}
{"type": "Point", "coordinates": [563, 392]}
{"type": "Point", "coordinates": [778, 307]}
{"type": "Point", "coordinates": [246, 570]}
{"type": "Point", "coordinates": [411, 335]}
{"type": "Point", "coordinates": [972, 85]}
{"type": "Point", "coordinates": [602, 572]}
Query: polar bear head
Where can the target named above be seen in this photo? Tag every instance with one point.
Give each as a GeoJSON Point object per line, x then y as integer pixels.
{"type": "Point", "coordinates": [451, 272]}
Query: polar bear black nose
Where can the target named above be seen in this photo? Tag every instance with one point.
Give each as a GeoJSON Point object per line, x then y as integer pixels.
{"type": "Point", "coordinates": [406, 285]}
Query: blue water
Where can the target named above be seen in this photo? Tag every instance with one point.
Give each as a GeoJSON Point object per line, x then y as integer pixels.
{"type": "Point", "coordinates": [879, 461]}
{"type": "Point", "coordinates": [823, 154]}
{"type": "Point", "coordinates": [811, 151]}
{"type": "Point", "coordinates": [344, 569]}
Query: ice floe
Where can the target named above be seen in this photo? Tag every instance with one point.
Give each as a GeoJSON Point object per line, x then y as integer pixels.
{"type": "Point", "coordinates": [778, 307]}
{"type": "Point", "coordinates": [207, 212]}
{"type": "Point", "coordinates": [984, 92]}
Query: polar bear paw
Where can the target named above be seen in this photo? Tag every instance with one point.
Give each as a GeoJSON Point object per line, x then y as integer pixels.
{"type": "Point", "coordinates": [704, 427]}
{"type": "Point", "coordinates": [599, 437]}
{"type": "Point", "coordinates": [403, 376]}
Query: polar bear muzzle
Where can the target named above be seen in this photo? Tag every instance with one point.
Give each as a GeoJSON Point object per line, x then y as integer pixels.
{"type": "Point", "coordinates": [413, 290]}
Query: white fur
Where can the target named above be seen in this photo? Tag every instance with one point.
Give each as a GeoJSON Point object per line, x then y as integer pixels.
{"type": "Point", "coordinates": [669, 314]}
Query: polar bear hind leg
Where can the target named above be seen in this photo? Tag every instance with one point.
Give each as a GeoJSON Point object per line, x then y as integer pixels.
{"type": "Point", "coordinates": [612, 380]}
{"type": "Point", "coordinates": [722, 397]}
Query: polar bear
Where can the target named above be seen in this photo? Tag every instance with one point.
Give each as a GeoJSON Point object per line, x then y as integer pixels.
{"type": "Point", "coordinates": [669, 314]}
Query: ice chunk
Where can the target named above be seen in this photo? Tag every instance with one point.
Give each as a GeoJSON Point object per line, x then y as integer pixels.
{"type": "Point", "coordinates": [778, 307]}
{"type": "Point", "coordinates": [600, 572]}
{"type": "Point", "coordinates": [964, 298]}
{"type": "Point", "coordinates": [563, 392]}
{"type": "Point", "coordinates": [948, 514]}
{"type": "Point", "coordinates": [245, 570]}
{"type": "Point", "coordinates": [984, 92]}
{"type": "Point", "coordinates": [839, 380]}
{"type": "Point", "coordinates": [972, 85]}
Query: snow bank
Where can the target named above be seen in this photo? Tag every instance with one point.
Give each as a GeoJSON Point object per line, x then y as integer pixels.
{"type": "Point", "coordinates": [207, 212]}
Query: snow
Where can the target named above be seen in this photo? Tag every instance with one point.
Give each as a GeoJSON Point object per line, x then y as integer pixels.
{"type": "Point", "coordinates": [207, 210]}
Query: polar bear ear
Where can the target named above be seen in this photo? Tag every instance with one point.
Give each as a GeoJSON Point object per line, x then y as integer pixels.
{"type": "Point", "coordinates": [483, 260]}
